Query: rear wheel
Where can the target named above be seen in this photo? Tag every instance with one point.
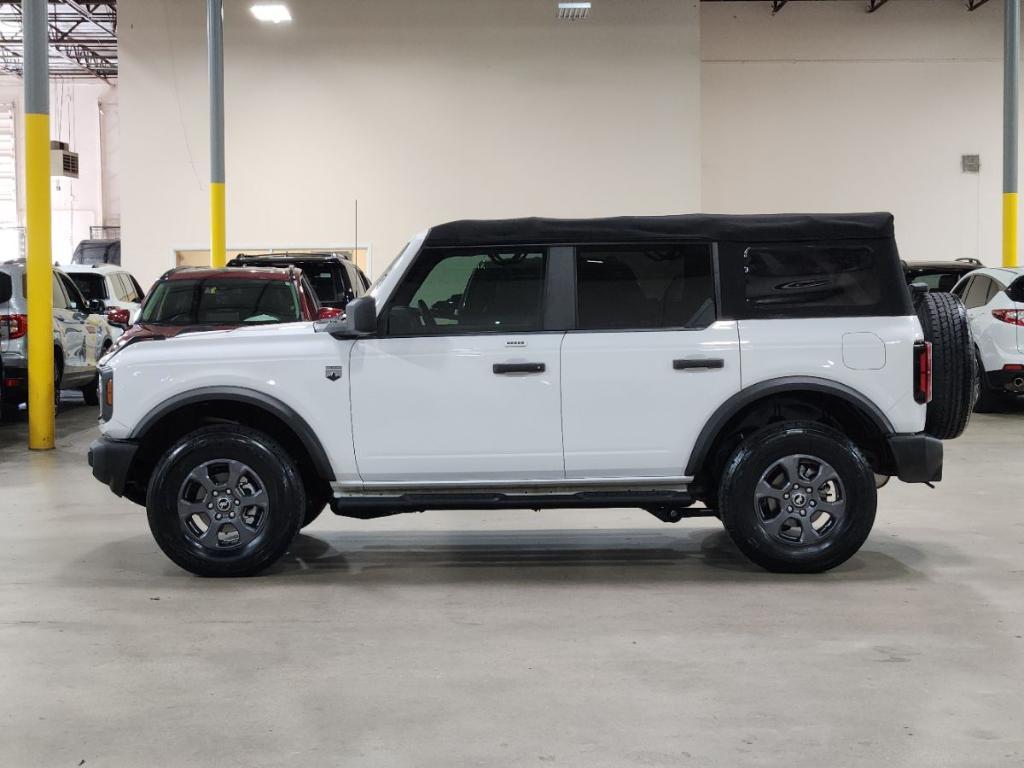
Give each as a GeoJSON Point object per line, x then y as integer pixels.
{"type": "Point", "coordinates": [798, 497]}
{"type": "Point", "coordinates": [225, 500]}
{"type": "Point", "coordinates": [954, 370]}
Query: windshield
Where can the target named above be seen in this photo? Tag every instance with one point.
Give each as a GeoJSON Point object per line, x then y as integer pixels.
{"type": "Point", "coordinates": [221, 301]}
{"type": "Point", "coordinates": [91, 285]}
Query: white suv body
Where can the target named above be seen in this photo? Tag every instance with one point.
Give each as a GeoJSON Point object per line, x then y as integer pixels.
{"type": "Point", "coordinates": [544, 363]}
{"type": "Point", "coordinates": [994, 298]}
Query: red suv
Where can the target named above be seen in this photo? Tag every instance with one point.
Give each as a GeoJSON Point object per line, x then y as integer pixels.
{"type": "Point", "coordinates": [208, 299]}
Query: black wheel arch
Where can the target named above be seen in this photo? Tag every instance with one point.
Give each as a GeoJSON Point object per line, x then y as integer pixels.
{"type": "Point", "coordinates": [861, 416]}
{"type": "Point", "coordinates": [249, 407]}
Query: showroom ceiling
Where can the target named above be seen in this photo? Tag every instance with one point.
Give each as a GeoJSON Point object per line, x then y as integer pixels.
{"type": "Point", "coordinates": [83, 39]}
{"type": "Point", "coordinates": [869, 5]}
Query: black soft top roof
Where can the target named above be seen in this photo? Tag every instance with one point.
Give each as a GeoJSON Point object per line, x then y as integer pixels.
{"type": "Point", "coordinates": [783, 227]}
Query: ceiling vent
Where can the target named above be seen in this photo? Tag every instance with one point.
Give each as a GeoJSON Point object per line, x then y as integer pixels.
{"type": "Point", "coordinates": [63, 162]}
{"type": "Point", "coordinates": [573, 11]}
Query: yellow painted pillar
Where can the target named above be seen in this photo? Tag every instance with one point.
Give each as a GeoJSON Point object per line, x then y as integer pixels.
{"type": "Point", "coordinates": [215, 42]}
{"type": "Point", "coordinates": [39, 269]}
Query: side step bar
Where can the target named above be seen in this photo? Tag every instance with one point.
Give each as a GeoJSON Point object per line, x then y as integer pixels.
{"type": "Point", "coordinates": [672, 504]}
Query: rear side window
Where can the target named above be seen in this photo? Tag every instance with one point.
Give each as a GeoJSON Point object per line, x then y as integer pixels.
{"type": "Point", "coordinates": [644, 287]}
{"type": "Point", "coordinates": [465, 291]}
{"type": "Point", "coordinates": [6, 288]}
{"type": "Point", "coordinates": [977, 293]}
{"type": "Point", "coordinates": [822, 279]}
{"type": "Point", "coordinates": [91, 285]}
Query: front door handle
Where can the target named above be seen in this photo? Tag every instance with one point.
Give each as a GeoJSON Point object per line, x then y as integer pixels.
{"type": "Point", "coordinates": [503, 368]}
{"type": "Point", "coordinates": [693, 363]}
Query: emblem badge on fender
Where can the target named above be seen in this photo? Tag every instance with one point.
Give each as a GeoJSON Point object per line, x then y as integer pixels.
{"type": "Point", "coordinates": [333, 372]}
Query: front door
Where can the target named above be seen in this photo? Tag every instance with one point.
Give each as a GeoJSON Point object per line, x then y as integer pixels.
{"type": "Point", "coordinates": [648, 363]}
{"type": "Point", "coordinates": [463, 383]}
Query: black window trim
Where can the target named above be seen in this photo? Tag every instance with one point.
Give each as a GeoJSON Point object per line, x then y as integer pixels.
{"type": "Point", "coordinates": [641, 244]}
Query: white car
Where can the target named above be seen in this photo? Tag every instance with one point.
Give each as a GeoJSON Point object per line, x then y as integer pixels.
{"type": "Point", "coordinates": [994, 298]}
{"type": "Point", "coordinates": [767, 370]}
{"type": "Point", "coordinates": [113, 286]}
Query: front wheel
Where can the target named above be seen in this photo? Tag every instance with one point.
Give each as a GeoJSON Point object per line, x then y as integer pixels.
{"type": "Point", "coordinates": [798, 498]}
{"type": "Point", "coordinates": [225, 500]}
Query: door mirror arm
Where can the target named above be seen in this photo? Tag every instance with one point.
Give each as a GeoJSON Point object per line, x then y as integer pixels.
{"type": "Point", "coordinates": [359, 320]}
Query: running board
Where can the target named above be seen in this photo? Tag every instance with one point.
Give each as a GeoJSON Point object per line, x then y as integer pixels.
{"type": "Point", "coordinates": [370, 507]}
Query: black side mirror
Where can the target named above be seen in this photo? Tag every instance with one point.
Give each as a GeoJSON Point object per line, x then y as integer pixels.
{"type": "Point", "coordinates": [96, 307]}
{"type": "Point", "coordinates": [362, 315]}
{"type": "Point", "coordinates": [918, 290]}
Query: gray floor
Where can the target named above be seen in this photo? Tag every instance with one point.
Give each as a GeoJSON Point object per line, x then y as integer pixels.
{"type": "Point", "coordinates": [508, 639]}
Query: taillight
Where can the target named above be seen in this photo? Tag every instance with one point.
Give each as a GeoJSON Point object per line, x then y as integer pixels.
{"type": "Point", "coordinates": [923, 371]}
{"type": "Point", "coordinates": [13, 326]}
{"type": "Point", "coordinates": [1011, 316]}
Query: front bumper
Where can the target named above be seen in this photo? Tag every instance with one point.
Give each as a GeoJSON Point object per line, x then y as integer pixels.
{"type": "Point", "coordinates": [111, 460]}
{"type": "Point", "coordinates": [918, 458]}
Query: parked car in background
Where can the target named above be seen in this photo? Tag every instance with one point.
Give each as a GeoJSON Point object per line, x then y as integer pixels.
{"type": "Point", "coordinates": [939, 275]}
{"type": "Point", "coordinates": [994, 298]}
{"type": "Point", "coordinates": [81, 336]}
{"type": "Point", "coordinates": [335, 278]}
{"type": "Point", "coordinates": [208, 299]}
{"type": "Point", "coordinates": [97, 252]}
{"type": "Point", "coordinates": [119, 293]}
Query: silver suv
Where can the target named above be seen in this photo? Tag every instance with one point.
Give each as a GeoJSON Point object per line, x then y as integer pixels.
{"type": "Point", "coordinates": [81, 336]}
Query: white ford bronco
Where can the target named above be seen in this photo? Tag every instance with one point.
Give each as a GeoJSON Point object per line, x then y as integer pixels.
{"type": "Point", "coordinates": [771, 371]}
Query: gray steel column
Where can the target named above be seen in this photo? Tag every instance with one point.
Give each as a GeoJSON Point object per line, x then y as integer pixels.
{"type": "Point", "coordinates": [1011, 116]}
{"type": "Point", "coordinates": [37, 61]}
{"type": "Point", "coordinates": [215, 40]}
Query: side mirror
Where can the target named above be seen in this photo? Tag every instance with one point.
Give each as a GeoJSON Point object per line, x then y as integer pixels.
{"type": "Point", "coordinates": [95, 307]}
{"type": "Point", "coordinates": [362, 315]}
{"type": "Point", "coordinates": [327, 313]}
{"type": "Point", "coordinates": [119, 317]}
{"type": "Point", "coordinates": [360, 319]}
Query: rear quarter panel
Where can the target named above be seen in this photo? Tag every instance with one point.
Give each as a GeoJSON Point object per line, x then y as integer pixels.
{"type": "Point", "coordinates": [841, 350]}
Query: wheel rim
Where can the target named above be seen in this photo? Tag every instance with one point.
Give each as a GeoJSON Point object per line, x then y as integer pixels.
{"type": "Point", "coordinates": [223, 505]}
{"type": "Point", "coordinates": [800, 500]}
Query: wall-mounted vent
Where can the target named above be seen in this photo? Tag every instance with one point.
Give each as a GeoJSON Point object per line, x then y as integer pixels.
{"type": "Point", "coordinates": [573, 11]}
{"type": "Point", "coordinates": [63, 162]}
{"type": "Point", "coordinates": [970, 163]}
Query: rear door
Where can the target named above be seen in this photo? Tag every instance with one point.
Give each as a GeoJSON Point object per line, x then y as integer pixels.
{"type": "Point", "coordinates": [648, 362]}
{"type": "Point", "coordinates": [462, 385]}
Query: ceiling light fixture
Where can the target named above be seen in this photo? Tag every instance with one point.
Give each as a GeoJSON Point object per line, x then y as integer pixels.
{"type": "Point", "coordinates": [573, 11]}
{"type": "Point", "coordinates": [273, 13]}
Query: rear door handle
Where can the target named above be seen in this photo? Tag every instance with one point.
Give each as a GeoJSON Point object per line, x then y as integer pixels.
{"type": "Point", "coordinates": [503, 368]}
{"type": "Point", "coordinates": [692, 363]}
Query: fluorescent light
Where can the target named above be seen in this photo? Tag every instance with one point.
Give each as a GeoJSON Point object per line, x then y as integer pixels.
{"type": "Point", "coordinates": [274, 13]}
{"type": "Point", "coordinates": [573, 11]}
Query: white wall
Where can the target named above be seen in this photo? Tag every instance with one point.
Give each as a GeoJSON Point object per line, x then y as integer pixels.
{"type": "Point", "coordinates": [76, 204]}
{"type": "Point", "coordinates": [824, 107]}
{"type": "Point", "coordinates": [424, 111]}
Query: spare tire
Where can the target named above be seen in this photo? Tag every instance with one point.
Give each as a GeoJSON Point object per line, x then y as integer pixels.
{"type": "Point", "coordinates": [954, 368]}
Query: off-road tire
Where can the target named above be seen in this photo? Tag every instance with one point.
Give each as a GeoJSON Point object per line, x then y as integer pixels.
{"type": "Point", "coordinates": [743, 518]}
{"type": "Point", "coordinates": [282, 482]}
{"type": "Point", "coordinates": [954, 367]}
{"type": "Point", "coordinates": [315, 504]}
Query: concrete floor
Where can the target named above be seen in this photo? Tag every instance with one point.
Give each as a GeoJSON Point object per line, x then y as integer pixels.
{"type": "Point", "coordinates": [513, 639]}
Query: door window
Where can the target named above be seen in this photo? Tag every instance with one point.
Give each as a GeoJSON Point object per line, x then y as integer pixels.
{"type": "Point", "coordinates": [468, 291]}
{"type": "Point", "coordinates": [645, 287]}
{"type": "Point", "coordinates": [977, 293]}
{"type": "Point", "coordinates": [60, 299]}
{"type": "Point", "coordinates": [75, 299]}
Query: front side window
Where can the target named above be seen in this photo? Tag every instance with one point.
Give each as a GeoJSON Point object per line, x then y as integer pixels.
{"type": "Point", "coordinates": [468, 291]}
{"type": "Point", "coordinates": [60, 299]}
{"type": "Point", "coordinates": [644, 287]}
{"type": "Point", "coordinates": [211, 301]}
